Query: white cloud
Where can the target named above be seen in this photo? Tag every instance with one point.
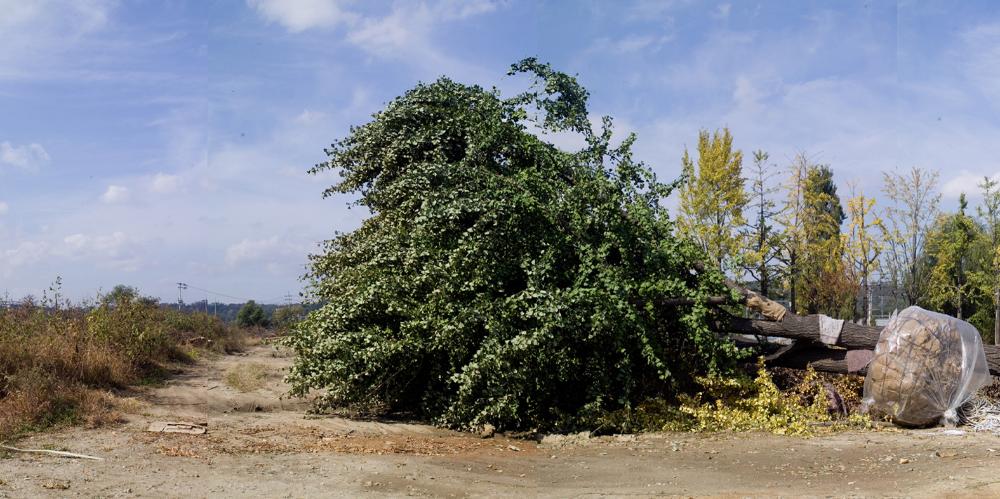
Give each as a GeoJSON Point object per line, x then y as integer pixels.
{"type": "Point", "coordinates": [308, 117]}
{"type": "Point", "coordinates": [27, 157]}
{"type": "Point", "coordinates": [116, 250]}
{"type": "Point", "coordinates": [25, 253]}
{"type": "Point", "coordinates": [109, 245]}
{"type": "Point", "coordinates": [461, 9]}
{"type": "Point", "coordinates": [164, 183]}
{"type": "Point", "coordinates": [4, 208]}
{"type": "Point", "coordinates": [300, 15]}
{"type": "Point", "coordinates": [404, 34]}
{"type": "Point", "coordinates": [631, 44]}
{"type": "Point", "coordinates": [249, 250]}
{"type": "Point", "coordinates": [115, 194]}
{"type": "Point", "coordinates": [965, 182]}
{"type": "Point", "coordinates": [981, 57]}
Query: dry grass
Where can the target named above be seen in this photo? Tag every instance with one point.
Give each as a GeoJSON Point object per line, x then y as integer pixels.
{"type": "Point", "coordinates": [63, 366]}
{"type": "Point", "coordinates": [247, 377]}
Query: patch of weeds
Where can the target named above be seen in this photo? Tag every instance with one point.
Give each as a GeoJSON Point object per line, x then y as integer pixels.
{"type": "Point", "coordinates": [743, 404]}
{"type": "Point", "coordinates": [247, 377]}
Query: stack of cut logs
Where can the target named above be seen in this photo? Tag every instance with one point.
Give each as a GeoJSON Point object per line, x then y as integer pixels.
{"type": "Point", "coordinates": [849, 353]}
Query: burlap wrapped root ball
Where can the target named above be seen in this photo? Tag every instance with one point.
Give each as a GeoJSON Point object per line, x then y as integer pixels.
{"type": "Point", "coordinates": [926, 365]}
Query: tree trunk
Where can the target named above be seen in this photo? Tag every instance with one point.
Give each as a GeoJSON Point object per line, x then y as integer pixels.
{"type": "Point", "coordinates": [866, 300]}
{"type": "Point", "coordinates": [996, 318]}
{"type": "Point", "coordinates": [852, 336]}
{"type": "Point", "coordinates": [792, 270]}
{"type": "Point", "coordinates": [868, 317]}
{"type": "Point", "coordinates": [820, 359]}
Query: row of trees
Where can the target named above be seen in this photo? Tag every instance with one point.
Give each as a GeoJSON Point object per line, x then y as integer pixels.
{"type": "Point", "coordinates": [783, 231]}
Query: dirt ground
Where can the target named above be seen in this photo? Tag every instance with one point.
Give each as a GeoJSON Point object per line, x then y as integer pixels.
{"type": "Point", "coordinates": [260, 445]}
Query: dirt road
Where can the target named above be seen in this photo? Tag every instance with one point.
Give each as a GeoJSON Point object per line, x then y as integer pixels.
{"type": "Point", "coordinates": [262, 446]}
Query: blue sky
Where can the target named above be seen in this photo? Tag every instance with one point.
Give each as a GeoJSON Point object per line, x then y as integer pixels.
{"type": "Point", "coordinates": [151, 142]}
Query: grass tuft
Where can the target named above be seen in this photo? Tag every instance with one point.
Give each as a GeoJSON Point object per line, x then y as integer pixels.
{"type": "Point", "coordinates": [247, 377]}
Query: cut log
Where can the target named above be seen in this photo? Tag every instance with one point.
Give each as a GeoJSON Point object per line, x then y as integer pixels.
{"type": "Point", "coordinates": [785, 324]}
{"type": "Point", "coordinates": [852, 337]}
{"type": "Point", "coordinates": [798, 327]}
{"type": "Point", "coordinates": [819, 358]}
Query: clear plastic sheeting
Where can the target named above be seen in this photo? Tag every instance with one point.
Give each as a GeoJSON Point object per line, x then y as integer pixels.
{"type": "Point", "coordinates": [926, 365]}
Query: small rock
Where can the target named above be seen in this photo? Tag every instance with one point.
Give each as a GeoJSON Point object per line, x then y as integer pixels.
{"type": "Point", "coordinates": [514, 448]}
{"type": "Point", "coordinates": [488, 431]}
{"type": "Point", "coordinates": [903, 460]}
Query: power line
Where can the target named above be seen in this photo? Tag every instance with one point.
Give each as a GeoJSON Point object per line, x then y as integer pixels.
{"type": "Point", "coordinates": [180, 294]}
{"type": "Point", "coordinates": [219, 294]}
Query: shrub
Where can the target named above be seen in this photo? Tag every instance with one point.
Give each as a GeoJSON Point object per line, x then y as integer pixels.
{"type": "Point", "coordinates": [132, 325]}
{"type": "Point", "coordinates": [57, 366]}
{"type": "Point", "coordinates": [285, 317]}
{"type": "Point", "coordinates": [500, 279]}
{"type": "Point", "coordinates": [251, 315]}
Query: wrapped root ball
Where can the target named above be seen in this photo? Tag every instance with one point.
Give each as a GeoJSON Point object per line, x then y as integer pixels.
{"type": "Point", "coordinates": [926, 365]}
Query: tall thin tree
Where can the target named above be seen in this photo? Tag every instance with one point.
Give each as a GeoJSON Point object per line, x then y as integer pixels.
{"type": "Point", "coordinates": [914, 204]}
{"type": "Point", "coordinates": [989, 212]}
{"type": "Point", "coordinates": [864, 244]}
{"type": "Point", "coordinates": [763, 245]}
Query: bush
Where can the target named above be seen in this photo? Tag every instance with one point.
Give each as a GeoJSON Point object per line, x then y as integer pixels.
{"type": "Point", "coordinates": [499, 279]}
{"type": "Point", "coordinates": [251, 315]}
{"type": "Point", "coordinates": [285, 317]}
{"type": "Point", "coordinates": [57, 366]}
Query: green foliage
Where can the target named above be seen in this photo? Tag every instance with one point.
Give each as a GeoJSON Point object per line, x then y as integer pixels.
{"type": "Point", "coordinates": [287, 316]}
{"type": "Point", "coordinates": [989, 281]}
{"type": "Point", "coordinates": [827, 285]}
{"type": "Point", "coordinates": [252, 315]}
{"type": "Point", "coordinates": [958, 261]}
{"type": "Point", "coordinates": [131, 323]}
{"type": "Point", "coordinates": [499, 279]}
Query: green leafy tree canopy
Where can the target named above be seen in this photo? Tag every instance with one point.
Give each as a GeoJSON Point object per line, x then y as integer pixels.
{"type": "Point", "coordinates": [251, 315]}
{"type": "Point", "coordinates": [500, 279]}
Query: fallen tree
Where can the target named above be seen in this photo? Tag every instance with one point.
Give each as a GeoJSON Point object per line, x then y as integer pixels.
{"type": "Point", "coordinates": [816, 347]}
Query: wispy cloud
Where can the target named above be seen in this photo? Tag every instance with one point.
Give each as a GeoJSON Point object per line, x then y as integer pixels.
{"type": "Point", "coordinates": [26, 157]}
{"type": "Point", "coordinates": [42, 34]}
{"type": "Point", "coordinates": [116, 194]}
{"type": "Point", "coordinates": [299, 15]}
{"type": "Point", "coordinates": [164, 183]}
{"type": "Point", "coordinates": [405, 33]}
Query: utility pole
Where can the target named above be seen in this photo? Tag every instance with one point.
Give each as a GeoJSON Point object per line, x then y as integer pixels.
{"type": "Point", "coordinates": [288, 298]}
{"type": "Point", "coordinates": [180, 294]}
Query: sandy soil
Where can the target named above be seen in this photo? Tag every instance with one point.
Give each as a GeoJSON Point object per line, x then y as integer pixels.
{"type": "Point", "coordinates": [260, 445]}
